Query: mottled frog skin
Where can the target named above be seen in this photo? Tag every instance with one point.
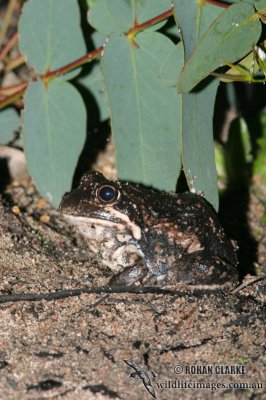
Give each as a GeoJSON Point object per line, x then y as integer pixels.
{"type": "Point", "coordinates": [151, 238]}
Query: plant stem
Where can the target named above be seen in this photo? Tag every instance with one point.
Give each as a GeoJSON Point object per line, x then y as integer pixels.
{"type": "Point", "coordinates": [49, 75]}
{"type": "Point", "coordinates": [141, 27]}
{"type": "Point", "coordinates": [12, 89]}
{"type": "Point", "coordinates": [217, 3]}
{"type": "Point", "coordinates": [10, 9]}
{"type": "Point", "coordinates": [8, 46]}
{"type": "Point", "coordinates": [12, 98]}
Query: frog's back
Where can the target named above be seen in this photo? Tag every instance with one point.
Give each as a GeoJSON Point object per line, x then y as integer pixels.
{"type": "Point", "coordinates": [189, 216]}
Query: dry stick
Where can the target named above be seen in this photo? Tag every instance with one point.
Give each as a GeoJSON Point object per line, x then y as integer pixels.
{"type": "Point", "coordinates": [6, 100]}
{"type": "Point", "coordinates": [9, 46]}
{"type": "Point", "coordinates": [13, 89]}
{"type": "Point", "coordinates": [62, 294]}
{"type": "Point", "coordinates": [248, 283]}
{"type": "Point", "coordinates": [15, 63]}
{"type": "Point", "coordinates": [10, 9]}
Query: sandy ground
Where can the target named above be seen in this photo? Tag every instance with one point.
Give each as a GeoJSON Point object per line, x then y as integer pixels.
{"type": "Point", "coordinates": [74, 346]}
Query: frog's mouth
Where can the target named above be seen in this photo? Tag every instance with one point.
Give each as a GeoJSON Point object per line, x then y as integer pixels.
{"type": "Point", "coordinates": [114, 221]}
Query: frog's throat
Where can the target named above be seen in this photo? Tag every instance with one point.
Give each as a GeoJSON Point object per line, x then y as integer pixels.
{"type": "Point", "coordinates": [83, 222]}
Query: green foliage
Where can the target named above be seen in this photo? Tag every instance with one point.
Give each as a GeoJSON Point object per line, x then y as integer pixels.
{"type": "Point", "coordinates": [238, 161]}
{"type": "Point", "coordinates": [53, 139]}
{"type": "Point", "coordinates": [94, 83]}
{"type": "Point", "coordinates": [54, 118]}
{"type": "Point", "coordinates": [238, 153]}
{"type": "Point", "coordinates": [147, 140]}
{"type": "Point", "coordinates": [259, 165]}
{"type": "Point", "coordinates": [156, 130]}
{"type": "Point", "coordinates": [118, 16]}
{"type": "Point", "coordinates": [50, 35]}
{"type": "Point", "coordinates": [241, 162]}
{"type": "Point", "coordinates": [222, 42]}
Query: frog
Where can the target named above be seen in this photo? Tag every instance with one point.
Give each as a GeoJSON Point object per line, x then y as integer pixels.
{"type": "Point", "coordinates": [147, 237]}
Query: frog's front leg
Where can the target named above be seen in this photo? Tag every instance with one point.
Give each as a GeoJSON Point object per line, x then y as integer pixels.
{"type": "Point", "coordinates": [200, 269]}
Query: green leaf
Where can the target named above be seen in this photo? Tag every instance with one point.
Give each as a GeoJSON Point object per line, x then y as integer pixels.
{"type": "Point", "coordinates": [228, 39]}
{"type": "Point", "coordinates": [197, 108]}
{"type": "Point", "coordinates": [94, 83]}
{"type": "Point", "coordinates": [54, 131]}
{"type": "Point", "coordinates": [193, 21]}
{"type": "Point", "coordinates": [97, 39]}
{"type": "Point", "coordinates": [259, 166]}
{"type": "Point", "coordinates": [90, 3]}
{"type": "Point", "coordinates": [9, 122]}
{"type": "Point", "coordinates": [171, 66]}
{"type": "Point", "coordinates": [219, 153]}
{"type": "Point", "coordinates": [238, 152]}
{"type": "Point", "coordinates": [118, 16]}
{"type": "Point", "coordinates": [259, 4]}
{"type": "Point", "coordinates": [145, 116]}
{"type": "Point", "coordinates": [197, 142]}
{"type": "Point", "coordinates": [50, 34]}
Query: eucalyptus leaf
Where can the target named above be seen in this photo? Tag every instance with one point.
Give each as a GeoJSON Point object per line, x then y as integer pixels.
{"type": "Point", "coordinates": [54, 131]}
{"type": "Point", "coordinates": [193, 21]}
{"type": "Point", "coordinates": [120, 15]}
{"type": "Point", "coordinates": [260, 4]}
{"type": "Point", "coordinates": [50, 35]}
{"type": "Point", "coordinates": [228, 39]}
{"type": "Point", "coordinates": [93, 82]}
{"type": "Point", "coordinates": [171, 66]}
{"type": "Point", "coordinates": [145, 116]}
{"type": "Point", "coordinates": [197, 142]}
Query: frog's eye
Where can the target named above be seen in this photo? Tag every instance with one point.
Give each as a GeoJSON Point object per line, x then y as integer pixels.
{"type": "Point", "coordinates": [107, 194]}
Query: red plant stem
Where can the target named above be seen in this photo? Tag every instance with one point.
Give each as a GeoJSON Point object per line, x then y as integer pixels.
{"type": "Point", "coordinates": [49, 75]}
{"type": "Point", "coordinates": [77, 63]}
{"type": "Point", "coordinates": [217, 3]}
{"type": "Point", "coordinates": [138, 28]}
{"type": "Point", "coordinates": [96, 53]}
